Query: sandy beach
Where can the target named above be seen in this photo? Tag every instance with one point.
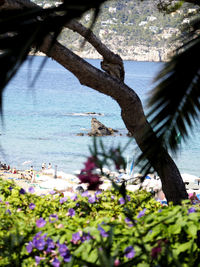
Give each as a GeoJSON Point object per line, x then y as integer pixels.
{"type": "Point", "coordinates": [43, 183]}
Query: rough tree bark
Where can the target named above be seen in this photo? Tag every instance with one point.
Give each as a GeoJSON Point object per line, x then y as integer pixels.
{"type": "Point", "coordinates": [112, 85]}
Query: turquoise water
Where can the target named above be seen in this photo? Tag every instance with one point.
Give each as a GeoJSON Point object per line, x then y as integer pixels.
{"type": "Point", "coordinates": [41, 122]}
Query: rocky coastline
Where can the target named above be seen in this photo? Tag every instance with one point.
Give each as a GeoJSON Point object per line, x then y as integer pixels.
{"type": "Point", "coordinates": [134, 53]}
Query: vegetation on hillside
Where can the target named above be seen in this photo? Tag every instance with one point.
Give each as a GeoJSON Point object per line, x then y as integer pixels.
{"type": "Point", "coordinates": [123, 24]}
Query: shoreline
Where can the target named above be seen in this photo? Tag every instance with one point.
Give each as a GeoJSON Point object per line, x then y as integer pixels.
{"type": "Point", "coordinates": [99, 57]}
{"type": "Point", "coordinates": [45, 182]}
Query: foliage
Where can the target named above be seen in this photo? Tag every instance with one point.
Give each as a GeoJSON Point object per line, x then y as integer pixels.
{"type": "Point", "coordinates": [24, 28]}
{"type": "Point", "coordinates": [98, 230]}
{"type": "Point", "coordinates": [123, 21]}
{"type": "Point", "coordinates": [174, 115]}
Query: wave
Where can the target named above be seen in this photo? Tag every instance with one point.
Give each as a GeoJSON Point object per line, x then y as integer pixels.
{"type": "Point", "coordinates": [84, 114]}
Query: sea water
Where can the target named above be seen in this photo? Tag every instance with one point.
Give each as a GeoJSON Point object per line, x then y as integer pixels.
{"type": "Point", "coordinates": [44, 109]}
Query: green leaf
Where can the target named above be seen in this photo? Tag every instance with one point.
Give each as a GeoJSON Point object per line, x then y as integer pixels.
{"type": "Point", "coordinates": [192, 230]}
{"type": "Point", "coordinates": [174, 229]}
{"type": "Point", "coordinates": [183, 247]}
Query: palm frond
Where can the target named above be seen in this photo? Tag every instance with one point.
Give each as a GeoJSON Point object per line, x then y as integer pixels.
{"type": "Point", "coordinates": [22, 29]}
{"type": "Point", "coordinates": [175, 102]}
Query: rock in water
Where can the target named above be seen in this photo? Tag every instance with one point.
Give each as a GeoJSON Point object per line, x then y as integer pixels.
{"type": "Point", "coordinates": [99, 129]}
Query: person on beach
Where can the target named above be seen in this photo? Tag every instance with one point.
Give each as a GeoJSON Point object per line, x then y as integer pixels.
{"type": "Point", "coordinates": [194, 199]}
{"type": "Point", "coordinates": [43, 166]}
{"type": "Point", "coordinates": [14, 171]}
{"type": "Point", "coordinates": [49, 166]}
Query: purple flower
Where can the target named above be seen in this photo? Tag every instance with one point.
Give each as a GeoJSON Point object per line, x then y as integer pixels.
{"type": "Point", "coordinates": [55, 262]}
{"type": "Point", "coordinates": [85, 194]}
{"type": "Point", "coordinates": [75, 238]}
{"type": "Point", "coordinates": [29, 247]}
{"type": "Point", "coordinates": [64, 252]}
{"type": "Point", "coordinates": [92, 199]}
{"type": "Point", "coordinates": [74, 197]}
{"type": "Point", "coordinates": [129, 252]}
{"type": "Point", "coordinates": [191, 210]}
{"type": "Point", "coordinates": [86, 236]}
{"type": "Point", "coordinates": [63, 199]}
{"type": "Point", "coordinates": [40, 222]}
{"type": "Point", "coordinates": [22, 191]}
{"type": "Point", "coordinates": [121, 201]}
{"type": "Point", "coordinates": [63, 249]}
{"type": "Point", "coordinates": [31, 190]}
{"type": "Point", "coordinates": [8, 211]}
{"type": "Point", "coordinates": [71, 212]}
{"type": "Point", "coordinates": [38, 259]}
{"type": "Point", "coordinates": [53, 218]}
{"type": "Point", "coordinates": [67, 257]}
{"type": "Point", "coordinates": [112, 197]}
{"type": "Point", "coordinates": [128, 221]}
{"type": "Point", "coordinates": [141, 213]}
{"type": "Point", "coordinates": [50, 244]}
{"type": "Point", "coordinates": [10, 188]}
{"type": "Point", "coordinates": [31, 206]}
{"type": "Point", "coordinates": [98, 193]}
{"type": "Point", "coordinates": [128, 198]}
{"type": "Point", "coordinates": [52, 192]}
{"type": "Point", "coordinates": [160, 210]}
{"type": "Point", "coordinates": [103, 233]}
{"type": "Point", "coordinates": [39, 242]}
{"type": "Point", "coordinates": [1, 200]}
{"type": "Point", "coordinates": [6, 202]}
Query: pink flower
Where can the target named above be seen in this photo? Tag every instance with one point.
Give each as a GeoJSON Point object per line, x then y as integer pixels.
{"type": "Point", "coordinates": [88, 176]}
{"type": "Point", "coordinates": [92, 179]}
{"type": "Point", "coordinates": [117, 262]}
{"type": "Point", "coordinates": [155, 252]}
{"type": "Point", "coordinates": [90, 164]}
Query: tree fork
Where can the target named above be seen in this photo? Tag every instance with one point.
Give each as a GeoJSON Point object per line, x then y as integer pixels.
{"type": "Point", "coordinates": [131, 108]}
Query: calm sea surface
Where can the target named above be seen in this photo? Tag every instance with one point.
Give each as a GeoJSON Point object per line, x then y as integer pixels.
{"type": "Point", "coordinates": [41, 122]}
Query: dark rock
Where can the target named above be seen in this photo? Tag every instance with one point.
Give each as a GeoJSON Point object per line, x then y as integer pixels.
{"type": "Point", "coordinates": [80, 134]}
{"type": "Point", "coordinates": [99, 129]}
{"type": "Point", "coordinates": [94, 113]}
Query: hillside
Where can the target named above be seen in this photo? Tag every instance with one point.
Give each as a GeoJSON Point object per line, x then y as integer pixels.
{"type": "Point", "coordinates": [135, 30]}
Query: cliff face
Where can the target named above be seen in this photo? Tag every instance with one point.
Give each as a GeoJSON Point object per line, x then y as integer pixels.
{"type": "Point", "coordinates": [135, 30]}
{"type": "Point", "coordinates": [137, 53]}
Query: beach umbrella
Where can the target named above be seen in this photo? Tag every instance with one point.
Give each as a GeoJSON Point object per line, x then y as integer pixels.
{"type": "Point", "coordinates": [49, 171]}
{"type": "Point", "coordinates": [133, 188]}
{"type": "Point", "coordinates": [56, 184]}
{"type": "Point", "coordinates": [42, 178]}
{"type": "Point", "coordinates": [155, 184]}
{"type": "Point", "coordinates": [105, 186]}
{"type": "Point", "coordinates": [26, 162]}
{"type": "Point", "coordinates": [132, 167]}
{"type": "Point", "coordinates": [66, 175]}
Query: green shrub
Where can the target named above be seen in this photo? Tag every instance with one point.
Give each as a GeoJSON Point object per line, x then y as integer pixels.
{"type": "Point", "coordinates": [98, 230]}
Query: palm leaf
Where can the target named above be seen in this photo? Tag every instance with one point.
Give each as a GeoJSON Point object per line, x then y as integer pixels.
{"type": "Point", "coordinates": [175, 101]}
{"type": "Point", "coordinates": [22, 29]}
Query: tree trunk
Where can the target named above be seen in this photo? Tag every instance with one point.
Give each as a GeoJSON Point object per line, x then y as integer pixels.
{"type": "Point", "coordinates": [131, 111]}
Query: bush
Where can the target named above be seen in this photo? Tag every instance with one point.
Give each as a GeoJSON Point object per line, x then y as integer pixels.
{"type": "Point", "coordinates": [102, 229]}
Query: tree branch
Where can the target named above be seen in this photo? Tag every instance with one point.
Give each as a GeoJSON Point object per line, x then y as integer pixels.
{"type": "Point", "coordinates": [112, 63]}
{"type": "Point", "coordinates": [131, 111]}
